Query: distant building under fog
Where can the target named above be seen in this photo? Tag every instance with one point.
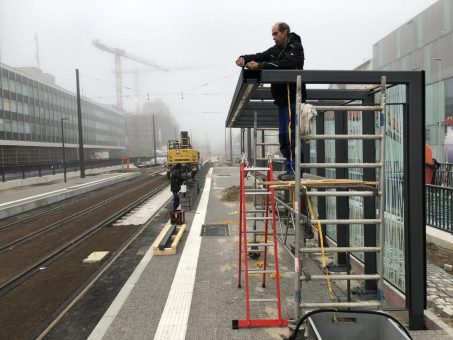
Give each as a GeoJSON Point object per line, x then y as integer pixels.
{"type": "Point", "coordinates": [31, 108]}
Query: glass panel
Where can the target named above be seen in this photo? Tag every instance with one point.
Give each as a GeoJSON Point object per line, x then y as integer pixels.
{"type": "Point", "coordinates": [12, 85]}
{"type": "Point", "coordinates": [14, 126]}
{"type": "Point", "coordinates": [394, 269]}
{"type": "Point", "coordinates": [12, 104]}
{"type": "Point", "coordinates": [5, 83]}
{"type": "Point", "coordinates": [6, 106]}
{"type": "Point", "coordinates": [7, 123]}
{"type": "Point", "coordinates": [355, 155]}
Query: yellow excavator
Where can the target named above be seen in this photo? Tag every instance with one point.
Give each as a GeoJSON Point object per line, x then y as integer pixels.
{"type": "Point", "coordinates": [182, 152]}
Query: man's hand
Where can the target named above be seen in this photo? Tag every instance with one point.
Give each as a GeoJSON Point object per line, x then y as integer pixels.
{"type": "Point", "coordinates": [240, 61]}
{"type": "Point", "coordinates": [252, 65]}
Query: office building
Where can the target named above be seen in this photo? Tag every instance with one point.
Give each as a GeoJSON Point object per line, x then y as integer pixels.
{"type": "Point", "coordinates": [31, 112]}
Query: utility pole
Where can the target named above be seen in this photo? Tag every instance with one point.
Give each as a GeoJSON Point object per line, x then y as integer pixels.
{"type": "Point", "coordinates": [154, 143]}
{"type": "Point", "coordinates": [64, 153]}
{"type": "Point", "coordinates": [79, 124]}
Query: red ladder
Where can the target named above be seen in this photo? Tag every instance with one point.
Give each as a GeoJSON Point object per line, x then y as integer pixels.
{"type": "Point", "coordinates": [269, 208]}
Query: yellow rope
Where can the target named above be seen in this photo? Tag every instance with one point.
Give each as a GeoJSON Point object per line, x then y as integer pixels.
{"type": "Point", "coordinates": [321, 239]}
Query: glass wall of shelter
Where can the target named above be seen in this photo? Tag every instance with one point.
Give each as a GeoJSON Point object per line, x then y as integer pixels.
{"type": "Point", "coordinates": [424, 43]}
{"type": "Point", "coordinates": [394, 263]}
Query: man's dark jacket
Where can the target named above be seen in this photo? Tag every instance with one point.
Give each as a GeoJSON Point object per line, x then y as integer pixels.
{"type": "Point", "coordinates": [278, 58]}
{"type": "Point", "coordinates": [176, 178]}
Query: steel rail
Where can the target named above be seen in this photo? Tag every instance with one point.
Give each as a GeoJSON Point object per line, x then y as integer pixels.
{"type": "Point", "coordinates": [43, 262]}
{"type": "Point", "coordinates": [61, 206]}
{"type": "Point", "coordinates": [61, 222]}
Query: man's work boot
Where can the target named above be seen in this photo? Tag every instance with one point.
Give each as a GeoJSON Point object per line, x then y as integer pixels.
{"type": "Point", "coordinates": [288, 177]}
{"type": "Point", "coordinates": [279, 177]}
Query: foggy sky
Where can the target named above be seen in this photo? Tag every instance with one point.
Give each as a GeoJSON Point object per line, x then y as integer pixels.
{"type": "Point", "coordinates": [201, 38]}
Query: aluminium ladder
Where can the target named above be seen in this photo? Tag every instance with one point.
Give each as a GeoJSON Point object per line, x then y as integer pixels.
{"type": "Point", "coordinates": [378, 192]}
{"type": "Point", "coordinates": [246, 248]}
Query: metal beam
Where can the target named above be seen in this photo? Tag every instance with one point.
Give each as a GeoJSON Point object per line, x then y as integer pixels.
{"type": "Point", "coordinates": [415, 213]}
{"type": "Point", "coordinates": [264, 93]}
{"type": "Point", "coordinates": [332, 76]}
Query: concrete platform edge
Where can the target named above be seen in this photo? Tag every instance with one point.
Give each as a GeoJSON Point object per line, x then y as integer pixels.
{"type": "Point", "coordinates": [67, 193]}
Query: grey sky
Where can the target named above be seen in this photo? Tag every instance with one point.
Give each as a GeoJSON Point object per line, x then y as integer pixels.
{"type": "Point", "coordinates": [202, 36]}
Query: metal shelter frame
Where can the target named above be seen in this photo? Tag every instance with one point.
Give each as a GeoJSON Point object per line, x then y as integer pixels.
{"type": "Point", "coordinates": [252, 107]}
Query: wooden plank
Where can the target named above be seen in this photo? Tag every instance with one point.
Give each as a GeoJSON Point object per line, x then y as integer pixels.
{"type": "Point", "coordinates": [175, 240]}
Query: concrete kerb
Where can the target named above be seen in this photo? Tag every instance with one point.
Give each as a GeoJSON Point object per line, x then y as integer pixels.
{"type": "Point", "coordinates": [439, 237]}
{"type": "Point", "coordinates": [20, 206]}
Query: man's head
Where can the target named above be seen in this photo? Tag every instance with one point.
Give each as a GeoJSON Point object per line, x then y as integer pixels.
{"type": "Point", "coordinates": [280, 33]}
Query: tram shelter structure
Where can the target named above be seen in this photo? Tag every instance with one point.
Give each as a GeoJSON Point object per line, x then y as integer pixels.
{"type": "Point", "coordinates": [390, 101]}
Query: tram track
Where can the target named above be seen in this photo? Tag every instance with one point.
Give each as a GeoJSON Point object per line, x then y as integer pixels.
{"type": "Point", "coordinates": [32, 297]}
{"type": "Point", "coordinates": [34, 252]}
{"type": "Point", "coordinates": [42, 212]}
{"type": "Point", "coordinates": [61, 222]}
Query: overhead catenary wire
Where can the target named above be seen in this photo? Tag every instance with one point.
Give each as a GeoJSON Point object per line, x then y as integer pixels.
{"type": "Point", "coordinates": [179, 92]}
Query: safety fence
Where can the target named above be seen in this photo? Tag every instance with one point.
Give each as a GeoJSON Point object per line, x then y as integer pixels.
{"type": "Point", "coordinates": [439, 207]}
{"type": "Point", "coordinates": [15, 172]}
{"type": "Point", "coordinates": [444, 175]}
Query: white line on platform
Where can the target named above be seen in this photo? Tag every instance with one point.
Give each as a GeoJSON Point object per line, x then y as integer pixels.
{"type": "Point", "coordinates": [111, 313]}
{"type": "Point", "coordinates": [174, 319]}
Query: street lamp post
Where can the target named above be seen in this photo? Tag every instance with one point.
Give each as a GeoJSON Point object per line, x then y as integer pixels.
{"type": "Point", "coordinates": [64, 153]}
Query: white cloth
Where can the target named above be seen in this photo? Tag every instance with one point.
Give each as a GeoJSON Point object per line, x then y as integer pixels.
{"type": "Point", "coordinates": [307, 113]}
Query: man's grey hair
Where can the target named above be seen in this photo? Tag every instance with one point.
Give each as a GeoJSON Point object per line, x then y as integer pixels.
{"type": "Point", "coordinates": [283, 26]}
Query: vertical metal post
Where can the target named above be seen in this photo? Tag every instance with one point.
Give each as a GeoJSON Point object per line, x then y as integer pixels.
{"type": "Point", "coordinates": [79, 124]}
{"type": "Point", "coordinates": [415, 237]}
{"type": "Point", "coordinates": [231, 146]}
{"type": "Point", "coordinates": [369, 203]}
{"type": "Point", "coordinates": [154, 142]}
{"type": "Point", "coordinates": [242, 142]}
{"type": "Point", "coordinates": [341, 156]}
{"type": "Point", "coordinates": [249, 144]}
{"type": "Point", "coordinates": [64, 153]}
{"type": "Point", "coordinates": [380, 292]}
{"type": "Point", "coordinates": [225, 143]}
{"type": "Point", "coordinates": [300, 241]}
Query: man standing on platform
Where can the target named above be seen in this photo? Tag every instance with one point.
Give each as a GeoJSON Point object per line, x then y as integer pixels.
{"type": "Point", "coordinates": [287, 53]}
{"type": "Point", "coordinates": [176, 179]}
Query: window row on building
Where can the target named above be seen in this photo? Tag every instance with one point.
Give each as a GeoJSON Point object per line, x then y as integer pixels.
{"type": "Point", "coordinates": [31, 111]}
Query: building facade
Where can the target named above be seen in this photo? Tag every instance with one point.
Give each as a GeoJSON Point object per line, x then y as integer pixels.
{"type": "Point", "coordinates": [425, 43]}
{"type": "Point", "coordinates": [31, 112]}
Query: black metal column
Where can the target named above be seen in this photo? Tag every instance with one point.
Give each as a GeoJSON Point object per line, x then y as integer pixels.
{"type": "Point", "coordinates": [369, 203]}
{"type": "Point", "coordinates": [249, 145]}
{"type": "Point", "coordinates": [242, 141]}
{"type": "Point", "coordinates": [415, 237]}
{"type": "Point", "coordinates": [341, 156]}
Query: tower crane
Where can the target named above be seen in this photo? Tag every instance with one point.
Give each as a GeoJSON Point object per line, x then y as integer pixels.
{"type": "Point", "coordinates": [118, 53]}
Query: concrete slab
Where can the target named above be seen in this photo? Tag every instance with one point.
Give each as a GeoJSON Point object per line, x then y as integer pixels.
{"type": "Point", "coordinates": [439, 237]}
